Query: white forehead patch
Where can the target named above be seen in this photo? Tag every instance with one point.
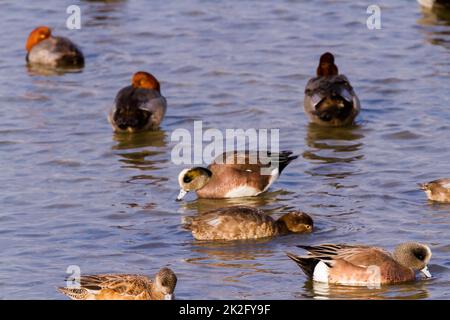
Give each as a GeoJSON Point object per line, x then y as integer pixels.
{"type": "Point", "coordinates": [181, 176]}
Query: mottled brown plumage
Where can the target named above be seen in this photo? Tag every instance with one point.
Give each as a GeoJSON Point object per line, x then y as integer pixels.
{"type": "Point", "coordinates": [437, 190]}
{"type": "Point", "coordinates": [124, 287]}
{"type": "Point", "coordinates": [242, 223]}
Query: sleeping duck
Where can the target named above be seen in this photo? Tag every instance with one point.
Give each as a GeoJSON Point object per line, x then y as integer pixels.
{"type": "Point", "coordinates": [45, 49]}
{"type": "Point", "coordinates": [124, 287]}
{"type": "Point", "coordinates": [242, 223]}
{"type": "Point", "coordinates": [138, 107]}
{"type": "Point", "coordinates": [235, 174]}
{"type": "Point", "coordinates": [437, 190]}
{"type": "Point", "coordinates": [329, 97]}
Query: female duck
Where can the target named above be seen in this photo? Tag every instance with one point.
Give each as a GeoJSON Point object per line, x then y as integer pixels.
{"type": "Point", "coordinates": [329, 97]}
{"type": "Point", "coordinates": [363, 265]}
{"type": "Point", "coordinates": [437, 190]}
{"type": "Point", "coordinates": [44, 49]}
{"type": "Point", "coordinates": [235, 174]}
{"type": "Point", "coordinates": [124, 287]}
{"type": "Point", "coordinates": [242, 223]}
{"type": "Point", "coordinates": [138, 107]}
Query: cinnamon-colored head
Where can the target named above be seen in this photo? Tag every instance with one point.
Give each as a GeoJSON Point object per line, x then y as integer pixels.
{"type": "Point", "coordinates": [37, 35]}
{"type": "Point", "coordinates": [326, 66]}
{"type": "Point", "coordinates": [145, 80]}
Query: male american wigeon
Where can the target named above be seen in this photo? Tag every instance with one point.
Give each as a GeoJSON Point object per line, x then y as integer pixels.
{"type": "Point", "coordinates": [45, 49]}
{"type": "Point", "coordinates": [235, 174]}
{"type": "Point", "coordinates": [437, 190]}
{"type": "Point", "coordinates": [356, 265]}
{"type": "Point", "coordinates": [242, 223]}
{"type": "Point", "coordinates": [140, 106]}
{"type": "Point", "coordinates": [124, 287]}
{"type": "Point", "coordinates": [329, 97]}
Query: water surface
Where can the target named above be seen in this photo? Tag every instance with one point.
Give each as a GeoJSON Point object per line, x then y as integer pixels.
{"type": "Point", "coordinates": [74, 193]}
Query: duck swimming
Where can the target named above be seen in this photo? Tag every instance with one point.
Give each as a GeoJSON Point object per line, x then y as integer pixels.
{"type": "Point", "coordinates": [138, 107]}
{"type": "Point", "coordinates": [357, 265]}
{"type": "Point", "coordinates": [242, 223]}
{"type": "Point", "coordinates": [329, 97]}
{"type": "Point", "coordinates": [235, 174]}
{"type": "Point", "coordinates": [45, 49]}
{"type": "Point", "coordinates": [124, 287]}
{"type": "Point", "coordinates": [437, 190]}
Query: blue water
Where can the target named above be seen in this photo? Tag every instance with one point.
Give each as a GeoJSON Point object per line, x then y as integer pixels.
{"type": "Point", "coordinates": [74, 193]}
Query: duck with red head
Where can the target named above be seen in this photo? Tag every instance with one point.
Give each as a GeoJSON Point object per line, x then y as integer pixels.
{"type": "Point", "coordinates": [140, 106]}
{"type": "Point", "coordinates": [45, 49]}
{"type": "Point", "coordinates": [329, 98]}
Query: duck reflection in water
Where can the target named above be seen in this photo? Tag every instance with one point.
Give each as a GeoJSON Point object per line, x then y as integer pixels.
{"type": "Point", "coordinates": [144, 151]}
{"type": "Point", "coordinates": [331, 146]}
{"type": "Point", "coordinates": [325, 291]}
{"type": "Point", "coordinates": [435, 24]}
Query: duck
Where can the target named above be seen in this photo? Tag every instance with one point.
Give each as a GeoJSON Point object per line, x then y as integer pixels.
{"type": "Point", "coordinates": [361, 265]}
{"type": "Point", "coordinates": [124, 287]}
{"type": "Point", "coordinates": [45, 49]}
{"type": "Point", "coordinates": [244, 222]}
{"type": "Point", "coordinates": [235, 174]}
{"type": "Point", "coordinates": [140, 106]}
{"type": "Point", "coordinates": [329, 98]}
{"type": "Point", "coordinates": [437, 190]}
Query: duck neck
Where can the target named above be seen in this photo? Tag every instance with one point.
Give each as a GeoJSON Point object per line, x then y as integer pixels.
{"type": "Point", "coordinates": [281, 227]}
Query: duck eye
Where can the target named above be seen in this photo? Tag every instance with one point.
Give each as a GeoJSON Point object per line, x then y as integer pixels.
{"type": "Point", "coordinates": [187, 179]}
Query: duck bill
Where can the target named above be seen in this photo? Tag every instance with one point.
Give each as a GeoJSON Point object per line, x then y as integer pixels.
{"type": "Point", "coordinates": [426, 272]}
{"type": "Point", "coordinates": [181, 194]}
{"type": "Point", "coordinates": [169, 296]}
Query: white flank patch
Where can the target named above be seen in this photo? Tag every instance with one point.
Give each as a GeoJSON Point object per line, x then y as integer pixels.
{"type": "Point", "coordinates": [242, 191]}
{"type": "Point", "coordinates": [321, 272]}
{"type": "Point", "coordinates": [447, 185]}
{"type": "Point", "coordinates": [273, 176]}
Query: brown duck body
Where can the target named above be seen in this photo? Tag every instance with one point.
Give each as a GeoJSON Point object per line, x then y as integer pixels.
{"type": "Point", "coordinates": [242, 177]}
{"type": "Point", "coordinates": [355, 265]}
{"type": "Point", "coordinates": [123, 287]}
{"type": "Point", "coordinates": [243, 223]}
{"type": "Point", "coordinates": [232, 223]}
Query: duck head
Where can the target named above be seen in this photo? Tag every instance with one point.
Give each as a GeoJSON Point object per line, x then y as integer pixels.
{"type": "Point", "coordinates": [145, 80]}
{"type": "Point", "coordinates": [192, 179]}
{"type": "Point", "coordinates": [326, 66]}
{"type": "Point", "coordinates": [296, 222]}
{"type": "Point", "coordinates": [165, 282]}
{"type": "Point", "coordinates": [37, 35]}
{"type": "Point", "coordinates": [414, 255]}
